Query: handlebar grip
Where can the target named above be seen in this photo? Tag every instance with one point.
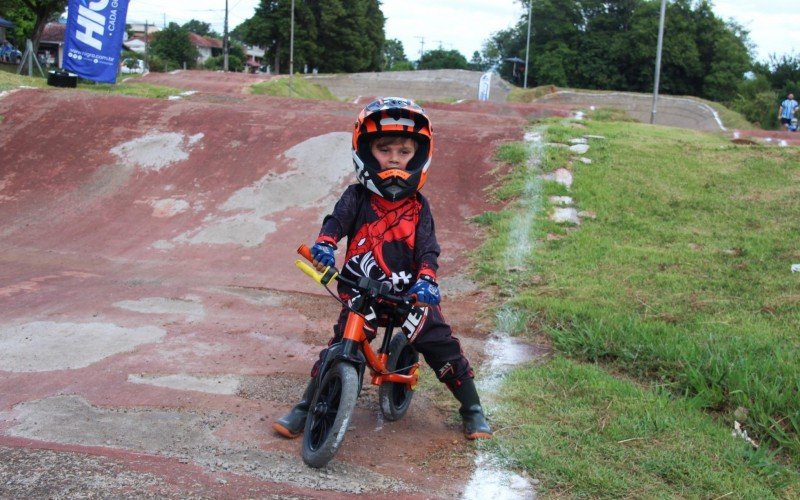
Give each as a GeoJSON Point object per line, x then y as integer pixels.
{"type": "Point", "coordinates": [309, 270]}
{"type": "Point", "coordinates": [305, 252]}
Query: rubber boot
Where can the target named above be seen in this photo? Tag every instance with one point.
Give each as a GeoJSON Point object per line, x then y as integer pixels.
{"type": "Point", "coordinates": [475, 425]}
{"type": "Point", "coordinates": [292, 424]}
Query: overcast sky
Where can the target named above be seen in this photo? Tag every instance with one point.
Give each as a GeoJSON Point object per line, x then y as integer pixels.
{"type": "Point", "coordinates": [463, 25]}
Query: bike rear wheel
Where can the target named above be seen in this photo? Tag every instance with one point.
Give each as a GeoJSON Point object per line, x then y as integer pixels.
{"type": "Point", "coordinates": [395, 398]}
{"type": "Point", "coordinates": [329, 414]}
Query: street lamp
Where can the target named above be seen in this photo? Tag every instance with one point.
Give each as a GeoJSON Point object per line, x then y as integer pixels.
{"type": "Point", "coordinates": [291, 53]}
{"type": "Point", "coordinates": [528, 46]}
{"type": "Point", "coordinates": [658, 60]}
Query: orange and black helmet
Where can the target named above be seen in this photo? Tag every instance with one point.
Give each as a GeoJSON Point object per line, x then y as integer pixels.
{"type": "Point", "coordinates": [392, 116]}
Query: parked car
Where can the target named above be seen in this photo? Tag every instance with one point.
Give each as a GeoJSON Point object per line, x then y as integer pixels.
{"type": "Point", "coordinates": [10, 54]}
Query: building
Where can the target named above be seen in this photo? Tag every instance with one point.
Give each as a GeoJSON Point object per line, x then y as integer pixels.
{"type": "Point", "coordinates": [255, 58]}
{"type": "Point", "coordinates": [51, 45]}
{"type": "Point", "coordinates": [136, 43]}
{"type": "Point", "coordinates": [207, 47]}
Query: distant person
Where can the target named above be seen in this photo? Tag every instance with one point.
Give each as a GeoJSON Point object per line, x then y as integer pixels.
{"type": "Point", "coordinates": [787, 111]}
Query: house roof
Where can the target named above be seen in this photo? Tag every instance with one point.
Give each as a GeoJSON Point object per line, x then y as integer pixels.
{"type": "Point", "coordinates": [6, 24]}
{"type": "Point", "coordinates": [54, 33]}
{"type": "Point", "coordinates": [203, 41]}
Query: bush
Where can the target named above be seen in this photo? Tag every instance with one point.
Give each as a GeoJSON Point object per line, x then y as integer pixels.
{"type": "Point", "coordinates": [758, 102]}
{"type": "Point", "coordinates": [217, 62]}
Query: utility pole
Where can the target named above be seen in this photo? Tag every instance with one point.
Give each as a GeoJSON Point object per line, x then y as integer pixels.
{"type": "Point", "coordinates": [528, 46]}
{"type": "Point", "coordinates": [146, 45]}
{"type": "Point", "coordinates": [421, 45]}
{"type": "Point", "coordinates": [291, 53]}
{"type": "Point", "coordinates": [225, 49]}
{"type": "Point", "coordinates": [658, 60]}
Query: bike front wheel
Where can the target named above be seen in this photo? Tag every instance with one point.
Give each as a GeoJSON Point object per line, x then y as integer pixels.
{"type": "Point", "coordinates": [329, 414]}
{"type": "Point", "coordinates": [395, 398]}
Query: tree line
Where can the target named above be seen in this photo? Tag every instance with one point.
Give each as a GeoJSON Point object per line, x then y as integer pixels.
{"type": "Point", "coordinates": [598, 44]}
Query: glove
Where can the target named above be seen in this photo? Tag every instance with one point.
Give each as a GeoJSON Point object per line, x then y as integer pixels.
{"type": "Point", "coordinates": [323, 253]}
{"type": "Point", "coordinates": [426, 290]}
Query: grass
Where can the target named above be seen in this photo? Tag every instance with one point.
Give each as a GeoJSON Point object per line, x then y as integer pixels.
{"type": "Point", "coordinates": [518, 94]}
{"type": "Point", "coordinates": [584, 433]}
{"type": "Point", "coordinates": [293, 87]}
{"type": "Point", "coordinates": [10, 80]}
{"type": "Point", "coordinates": [672, 313]}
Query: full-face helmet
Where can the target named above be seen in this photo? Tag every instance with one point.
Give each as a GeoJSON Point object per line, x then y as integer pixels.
{"type": "Point", "coordinates": [392, 116]}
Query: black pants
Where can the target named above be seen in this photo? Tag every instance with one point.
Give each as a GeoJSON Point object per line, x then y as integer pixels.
{"type": "Point", "coordinates": [429, 335]}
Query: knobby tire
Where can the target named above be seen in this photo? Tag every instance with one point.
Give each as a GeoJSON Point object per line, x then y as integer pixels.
{"type": "Point", "coordinates": [395, 398]}
{"type": "Point", "coordinates": [329, 414]}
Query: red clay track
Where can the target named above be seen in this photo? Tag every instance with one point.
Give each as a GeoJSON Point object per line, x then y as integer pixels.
{"type": "Point", "coordinates": [151, 319]}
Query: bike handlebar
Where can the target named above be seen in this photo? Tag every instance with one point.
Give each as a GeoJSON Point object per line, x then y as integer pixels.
{"type": "Point", "coordinates": [364, 285]}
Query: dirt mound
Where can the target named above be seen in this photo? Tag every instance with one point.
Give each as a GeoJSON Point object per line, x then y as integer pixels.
{"type": "Point", "coordinates": [671, 111]}
{"type": "Point", "coordinates": [423, 85]}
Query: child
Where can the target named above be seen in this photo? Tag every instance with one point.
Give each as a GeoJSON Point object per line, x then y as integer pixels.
{"type": "Point", "coordinates": [391, 237]}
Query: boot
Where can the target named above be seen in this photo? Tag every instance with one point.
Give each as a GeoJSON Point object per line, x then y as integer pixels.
{"type": "Point", "coordinates": [292, 424]}
{"type": "Point", "coordinates": [475, 425]}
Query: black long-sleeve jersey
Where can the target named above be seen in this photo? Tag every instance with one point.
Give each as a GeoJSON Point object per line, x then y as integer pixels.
{"type": "Point", "coordinates": [387, 241]}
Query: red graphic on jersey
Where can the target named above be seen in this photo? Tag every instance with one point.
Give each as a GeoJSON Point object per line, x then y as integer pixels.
{"type": "Point", "coordinates": [396, 222]}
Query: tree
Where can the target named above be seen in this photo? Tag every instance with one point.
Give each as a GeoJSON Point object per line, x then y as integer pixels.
{"type": "Point", "coordinates": [782, 72]}
{"type": "Point", "coordinates": [270, 28]}
{"type": "Point", "coordinates": [393, 53]}
{"type": "Point", "coordinates": [236, 59]}
{"type": "Point", "coordinates": [477, 63]}
{"type": "Point", "coordinates": [442, 59]}
{"type": "Point", "coordinates": [350, 35]}
{"type": "Point", "coordinates": [172, 45]}
{"type": "Point", "coordinates": [39, 11]}
{"type": "Point", "coordinates": [201, 28]}
{"type": "Point", "coordinates": [332, 35]}
{"type": "Point", "coordinates": [612, 45]}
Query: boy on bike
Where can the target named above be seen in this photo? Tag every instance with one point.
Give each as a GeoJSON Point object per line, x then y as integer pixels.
{"type": "Point", "coordinates": [391, 237]}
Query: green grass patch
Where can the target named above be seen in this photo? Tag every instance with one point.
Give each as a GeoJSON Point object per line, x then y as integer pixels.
{"type": "Point", "coordinates": [132, 87]}
{"type": "Point", "coordinates": [518, 94]}
{"type": "Point", "coordinates": [9, 79]}
{"type": "Point", "coordinates": [610, 115]}
{"type": "Point", "coordinates": [299, 87]}
{"type": "Point", "coordinates": [680, 283]}
{"type": "Point", "coordinates": [586, 434]}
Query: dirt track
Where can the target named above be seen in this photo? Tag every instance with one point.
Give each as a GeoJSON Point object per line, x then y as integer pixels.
{"type": "Point", "coordinates": [151, 321]}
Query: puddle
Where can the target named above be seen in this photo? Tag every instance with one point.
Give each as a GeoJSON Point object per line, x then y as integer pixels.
{"type": "Point", "coordinates": [490, 479]}
{"type": "Point", "coordinates": [504, 354]}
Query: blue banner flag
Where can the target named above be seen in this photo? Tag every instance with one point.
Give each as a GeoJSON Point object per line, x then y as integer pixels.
{"type": "Point", "coordinates": [93, 40]}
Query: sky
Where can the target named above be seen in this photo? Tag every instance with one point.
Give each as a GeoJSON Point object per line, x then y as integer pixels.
{"type": "Point", "coordinates": [464, 25]}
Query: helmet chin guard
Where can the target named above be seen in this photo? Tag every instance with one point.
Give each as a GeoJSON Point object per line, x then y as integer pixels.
{"type": "Point", "coordinates": [392, 116]}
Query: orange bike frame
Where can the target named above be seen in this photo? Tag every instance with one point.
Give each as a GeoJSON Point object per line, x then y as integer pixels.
{"type": "Point", "coordinates": [354, 330]}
